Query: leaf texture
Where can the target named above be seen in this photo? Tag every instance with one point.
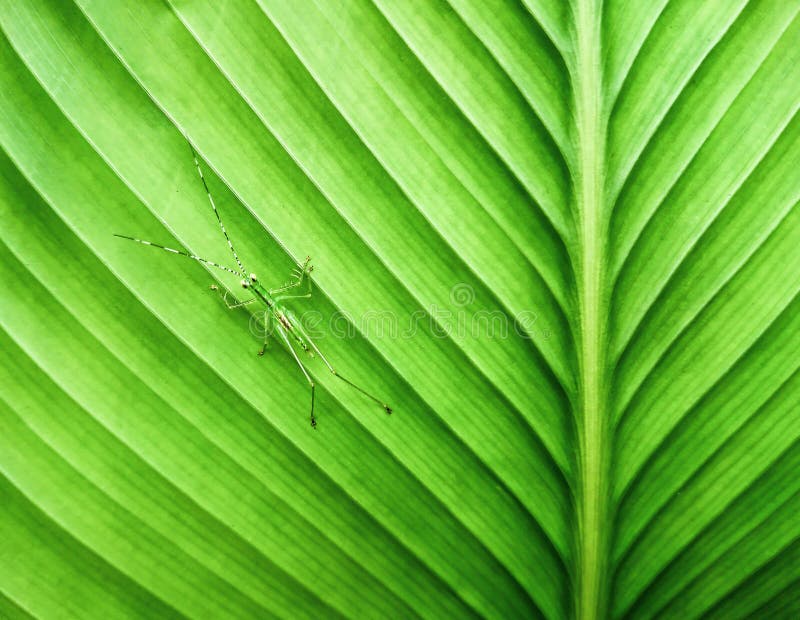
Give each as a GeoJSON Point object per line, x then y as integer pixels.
{"type": "Point", "coordinates": [563, 239]}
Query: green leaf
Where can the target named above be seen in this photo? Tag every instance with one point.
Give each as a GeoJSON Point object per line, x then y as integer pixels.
{"type": "Point", "coordinates": [562, 240]}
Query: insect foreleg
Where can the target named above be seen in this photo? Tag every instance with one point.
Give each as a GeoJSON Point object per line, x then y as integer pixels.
{"type": "Point", "coordinates": [300, 277]}
{"type": "Point", "coordinates": [281, 296]}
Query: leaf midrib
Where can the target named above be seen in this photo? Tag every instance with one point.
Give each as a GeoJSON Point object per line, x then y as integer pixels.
{"type": "Point", "coordinates": [593, 449]}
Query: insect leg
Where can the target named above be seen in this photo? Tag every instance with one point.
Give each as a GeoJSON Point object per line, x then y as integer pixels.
{"type": "Point", "coordinates": [235, 304]}
{"type": "Point", "coordinates": [267, 330]}
{"type": "Point", "coordinates": [282, 297]}
{"type": "Point", "coordinates": [277, 293]}
{"type": "Point", "coordinates": [285, 338]}
{"type": "Point", "coordinates": [386, 407]}
{"type": "Point", "coordinates": [304, 270]}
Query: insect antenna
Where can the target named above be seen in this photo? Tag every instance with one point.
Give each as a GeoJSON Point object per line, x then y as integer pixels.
{"type": "Point", "coordinates": [186, 254]}
{"type": "Point", "coordinates": [214, 206]}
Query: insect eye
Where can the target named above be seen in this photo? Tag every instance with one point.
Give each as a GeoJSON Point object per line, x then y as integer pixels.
{"type": "Point", "coordinates": [253, 277]}
{"type": "Point", "coordinates": [245, 284]}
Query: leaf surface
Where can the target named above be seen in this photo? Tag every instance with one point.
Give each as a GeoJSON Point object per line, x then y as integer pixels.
{"type": "Point", "coordinates": [561, 239]}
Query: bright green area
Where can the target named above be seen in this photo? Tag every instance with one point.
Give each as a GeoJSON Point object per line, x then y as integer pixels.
{"type": "Point", "coordinates": [619, 176]}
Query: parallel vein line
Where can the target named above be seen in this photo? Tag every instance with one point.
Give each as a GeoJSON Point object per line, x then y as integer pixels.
{"type": "Point", "coordinates": [720, 287]}
{"type": "Point", "coordinates": [85, 545]}
{"type": "Point", "coordinates": [730, 367]}
{"type": "Point", "coordinates": [532, 105]}
{"type": "Point", "coordinates": [561, 377]}
{"type": "Point", "coordinates": [612, 102]}
{"type": "Point", "coordinates": [546, 211]}
{"type": "Point", "coordinates": [241, 395]}
{"type": "Point", "coordinates": [711, 525]}
{"type": "Point", "coordinates": [733, 587]}
{"type": "Point", "coordinates": [310, 525]}
{"type": "Point", "coordinates": [111, 501]}
{"type": "Point", "coordinates": [701, 467]}
{"type": "Point", "coordinates": [534, 434]}
{"type": "Point", "coordinates": [614, 192]}
{"type": "Point", "coordinates": [474, 365]}
{"type": "Point", "coordinates": [674, 182]}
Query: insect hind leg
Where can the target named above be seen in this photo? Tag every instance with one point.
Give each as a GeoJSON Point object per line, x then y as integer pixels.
{"type": "Point", "coordinates": [336, 374]}
{"type": "Point", "coordinates": [285, 339]}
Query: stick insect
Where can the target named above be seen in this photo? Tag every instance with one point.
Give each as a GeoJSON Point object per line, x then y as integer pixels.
{"type": "Point", "coordinates": [288, 327]}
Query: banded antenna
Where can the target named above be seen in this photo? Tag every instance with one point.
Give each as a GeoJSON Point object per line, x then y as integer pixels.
{"type": "Point", "coordinates": [186, 254]}
{"type": "Point", "coordinates": [214, 206]}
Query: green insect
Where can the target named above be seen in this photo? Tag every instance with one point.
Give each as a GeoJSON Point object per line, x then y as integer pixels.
{"type": "Point", "coordinates": [287, 326]}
